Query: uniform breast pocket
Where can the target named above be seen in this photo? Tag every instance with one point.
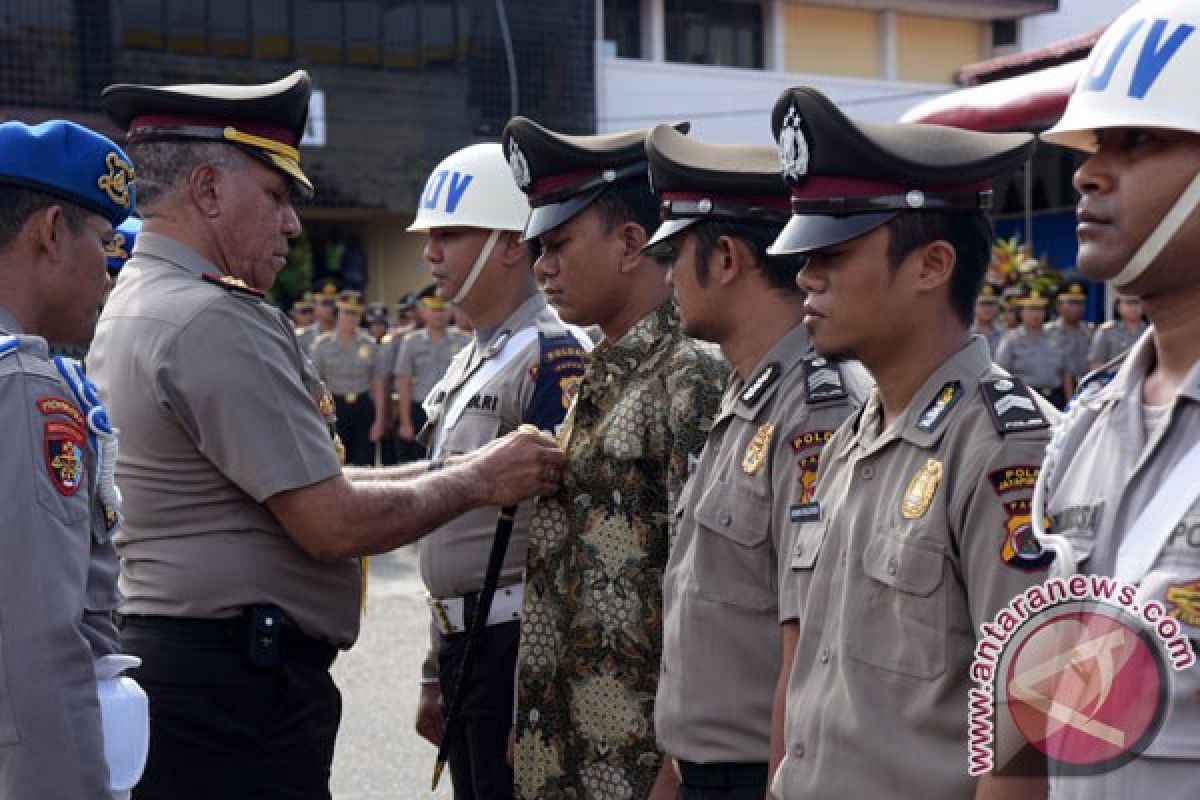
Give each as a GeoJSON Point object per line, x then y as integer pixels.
{"type": "Point", "coordinates": [473, 430]}
{"type": "Point", "coordinates": [734, 560]}
{"type": "Point", "coordinates": [898, 615]}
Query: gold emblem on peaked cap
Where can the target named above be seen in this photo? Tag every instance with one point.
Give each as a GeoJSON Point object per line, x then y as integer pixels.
{"type": "Point", "coordinates": [115, 182]}
{"type": "Point", "coordinates": [921, 489]}
{"type": "Point", "coordinates": [756, 451]}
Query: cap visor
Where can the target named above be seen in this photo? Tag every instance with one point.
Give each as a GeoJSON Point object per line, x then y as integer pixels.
{"type": "Point", "coordinates": [807, 233]}
{"type": "Point", "coordinates": [547, 217]}
{"type": "Point", "coordinates": [665, 231]}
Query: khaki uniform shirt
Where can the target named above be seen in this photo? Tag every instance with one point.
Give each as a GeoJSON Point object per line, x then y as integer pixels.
{"type": "Point", "coordinates": [218, 410]}
{"type": "Point", "coordinates": [1112, 339]}
{"type": "Point", "coordinates": [306, 336]}
{"type": "Point", "coordinates": [994, 335]}
{"type": "Point", "coordinates": [916, 537]}
{"type": "Point", "coordinates": [346, 367]}
{"type": "Point", "coordinates": [721, 634]}
{"type": "Point", "coordinates": [57, 582]}
{"type": "Point", "coordinates": [1108, 471]}
{"type": "Point", "coordinates": [425, 360]}
{"type": "Point", "coordinates": [1034, 358]}
{"type": "Point", "coordinates": [1074, 343]}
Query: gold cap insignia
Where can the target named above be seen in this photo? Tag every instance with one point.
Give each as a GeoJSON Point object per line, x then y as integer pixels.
{"type": "Point", "coordinates": [921, 489]}
{"type": "Point", "coordinates": [116, 248]}
{"type": "Point", "coordinates": [117, 180]}
{"type": "Point", "coordinates": [756, 451]}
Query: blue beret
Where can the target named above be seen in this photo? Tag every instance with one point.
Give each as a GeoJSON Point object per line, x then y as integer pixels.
{"type": "Point", "coordinates": [70, 162]}
{"type": "Point", "coordinates": [120, 248]}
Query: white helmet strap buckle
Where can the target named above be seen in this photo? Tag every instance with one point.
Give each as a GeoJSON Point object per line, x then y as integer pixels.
{"type": "Point", "coordinates": [476, 268]}
{"type": "Point", "coordinates": [1158, 239]}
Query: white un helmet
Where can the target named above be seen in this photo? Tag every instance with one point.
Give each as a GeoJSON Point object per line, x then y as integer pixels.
{"type": "Point", "coordinates": [1141, 74]}
{"type": "Point", "coordinates": [473, 188]}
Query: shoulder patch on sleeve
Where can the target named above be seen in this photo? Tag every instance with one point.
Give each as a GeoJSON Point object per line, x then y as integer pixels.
{"type": "Point", "coordinates": [235, 285]}
{"type": "Point", "coordinates": [823, 380]}
{"type": "Point", "coordinates": [560, 368]}
{"type": "Point", "coordinates": [1012, 406]}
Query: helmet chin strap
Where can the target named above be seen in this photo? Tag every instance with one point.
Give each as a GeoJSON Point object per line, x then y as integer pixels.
{"type": "Point", "coordinates": [476, 268]}
{"type": "Point", "coordinates": [1163, 234]}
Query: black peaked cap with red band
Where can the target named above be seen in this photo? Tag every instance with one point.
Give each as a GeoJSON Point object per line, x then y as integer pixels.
{"type": "Point", "coordinates": [695, 180]}
{"type": "Point", "coordinates": [264, 120]}
{"type": "Point", "coordinates": [562, 174]}
{"type": "Point", "coordinates": [848, 177]}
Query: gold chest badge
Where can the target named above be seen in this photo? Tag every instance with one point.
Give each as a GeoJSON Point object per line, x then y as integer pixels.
{"type": "Point", "coordinates": [921, 489]}
{"type": "Point", "coordinates": [364, 352]}
{"type": "Point", "coordinates": [756, 451]}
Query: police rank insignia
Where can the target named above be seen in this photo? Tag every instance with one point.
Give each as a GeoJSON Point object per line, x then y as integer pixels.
{"type": "Point", "coordinates": [756, 451]}
{"type": "Point", "coordinates": [921, 489]}
{"type": "Point", "coordinates": [116, 181]}
{"type": "Point", "coordinates": [64, 455]}
{"type": "Point", "coordinates": [1183, 602]}
{"type": "Point", "coordinates": [939, 407]}
{"type": "Point", "coordinates": [762, 381]}
{"type": "Point", "coordinates": [1012, 406]}
{"type": "Point", "coordinates": [822, 381]}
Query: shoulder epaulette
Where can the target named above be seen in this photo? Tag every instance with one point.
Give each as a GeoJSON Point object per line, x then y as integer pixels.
{"type": "Point", "coordinates": [387, 339]}
{"type": "Point", "coordinates": [1012, 406]}
{"type": "Point", "coordinates": [1097, 379]}
{"type": "Point", "coordinates": [8, 344]}
{"type": "Point", "coordinates": [823, 381]}
{"type": "Point", "coordinates": [235, 285]}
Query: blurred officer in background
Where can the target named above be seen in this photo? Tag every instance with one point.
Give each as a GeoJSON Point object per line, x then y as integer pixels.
{"type": "Point", "coordinates": [911, 540]}
{"type": "Point", "coordinates": [1115, 337]}
{"type": "Point", "coordinates": [1123, 498]}
{"type": "Point", "coordinates": [1071, 332]}
{"type": "Point", "coordinates": [721, 207]}
{"type": "Point", "coordinates": [986, 322]}
{"type": "Point", "coordinates": [324, 312]}
{"type": "Point", "coordinates": [345, 359]}
{"type": "Point", "coordinates": [1034, 356]}
{"type": "Point", "coordinates": [515, 370]}
{"type": "Point", "coordinates": [592, 643]}
{"type": "Point", "coordinates": [241, 533]}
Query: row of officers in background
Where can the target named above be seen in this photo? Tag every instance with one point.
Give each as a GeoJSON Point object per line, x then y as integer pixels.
{"type": "Point", "coordinates": [1053, 356]}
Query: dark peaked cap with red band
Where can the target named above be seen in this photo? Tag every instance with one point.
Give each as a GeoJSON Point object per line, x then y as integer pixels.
{"type": "Point", "coordinates": [695, 180]}
{"type": "Point", "coordinates": [848, 178]}
{"type": "Point", "coordinates": [264, 120]}
{"type": "Point", "coordinates": [563, 174]}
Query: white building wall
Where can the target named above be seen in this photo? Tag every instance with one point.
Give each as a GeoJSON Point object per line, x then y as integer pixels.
{"type": "Point", "coordinates": [1073, 18]}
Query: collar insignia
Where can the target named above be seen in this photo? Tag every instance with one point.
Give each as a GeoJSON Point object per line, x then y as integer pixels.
{"type": "Point", "coordinates": [236, 285]}
{"type": "Point", "coordinates": [762, 381]}
{"type": "Point", "coordinates": [939, 407]}
{"type": "Point", "coordinates": [497, 344]}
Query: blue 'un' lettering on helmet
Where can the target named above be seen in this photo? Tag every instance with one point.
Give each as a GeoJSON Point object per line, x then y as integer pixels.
{"type": "Point", "coordinates": [1151, 60]}
{"type": "Point", "coordinates": [454, 192]}
{"type": "Point", "coordinates": [458, 187]}
{"type": "Point", "coordinates": [433, 189]}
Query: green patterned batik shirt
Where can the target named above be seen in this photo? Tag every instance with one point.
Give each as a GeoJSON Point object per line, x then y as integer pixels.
{"type": "Point", "coordinates": [591, 637]}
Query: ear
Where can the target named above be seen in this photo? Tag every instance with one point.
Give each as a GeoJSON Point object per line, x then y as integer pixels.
{"type": "Point", "coordinates": [46, 229]}
{"type": "Point", "coordinates": [204, 189]}
{"type": "Point", "coordinates": [632, 239]}
{"type": "Point", "coordinates": [514, 252]}
{"type": "Point", "coordinates": [731, 259]}
{"type": "Point", "coordinates": [935, 266]}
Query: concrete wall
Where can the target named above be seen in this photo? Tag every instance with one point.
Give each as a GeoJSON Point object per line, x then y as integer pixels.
{"type": "Point", "coordinates": [831, 41]}
{"type": "Point", "coordinates": [931, 50]}
{"type": "Point", "coordinates": [1073, 18]}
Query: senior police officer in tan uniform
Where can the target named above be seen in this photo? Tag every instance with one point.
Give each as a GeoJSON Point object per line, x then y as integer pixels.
{"type": "Point", "coordinates": [1071, 332]}
{"type": "Point", "coordinates": [517, 369]}
{"type": "Point", "coordinates": [722, 206]}
{"type": "Point", "coordinates": [1034, 356]}
{"type": "Point", "coordinates": [62, 190]}
{"type": "Point", "coordinates": [1120, 479]}
{"type": "Point", "coordinates": [346, 359]}
{"type": "Point", "coordinates": [241, 529]}
{"type": "Point", "coordinates": [915, 534]}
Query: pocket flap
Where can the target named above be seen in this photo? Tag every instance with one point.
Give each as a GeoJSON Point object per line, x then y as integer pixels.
{"type": "Point", "coordinates": [735, 514]}
{"type": "Point", "coordinates": [904, 563]}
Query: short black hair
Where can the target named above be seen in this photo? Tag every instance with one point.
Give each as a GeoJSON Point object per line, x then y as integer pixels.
{"type": "Point", "coordinates": [628, 201]}
{"type": "Point", "coordinates": [18, 203]}
{"type": "Point", "coordinates": [780, 271]}
{"type": "Point", "coordinates": [969, 233]}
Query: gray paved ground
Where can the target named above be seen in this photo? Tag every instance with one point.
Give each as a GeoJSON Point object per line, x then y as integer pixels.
{"type": "Point", "coordinates": [379, 756]}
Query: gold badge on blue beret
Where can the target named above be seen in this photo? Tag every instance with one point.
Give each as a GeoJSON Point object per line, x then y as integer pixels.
{"type": "Point", "coordinates": [118, 251]}
{"type": "Point", "coordinates": [70, 162]}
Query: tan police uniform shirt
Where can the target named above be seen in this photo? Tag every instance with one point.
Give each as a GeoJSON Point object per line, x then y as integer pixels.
{"type": "Point", "coordinates": [1034, 358]}
{"type": "Point", "coordinates": [58, 578]}
{"type": "Point", "coordinates": [306, 336]}
{"type": "Point", "coordinates": [218, 410]}
{"type": "Point", "coordinates": [721, 634]}
{"type": "Point", "coordinates": [1108, 471]}
{"type": "Point", "coordinates": [994, 336]}
{"type": "Point", "coordinates": [1112, 339]}
{"type": "Point", "coordinates": [908, 547]}
{"type": "Point", "coordinates": [346, 366]}
{"type": "Point", "coordinates": [1074, 342]}
{"type": "Point", "coordinates": [425, 360]}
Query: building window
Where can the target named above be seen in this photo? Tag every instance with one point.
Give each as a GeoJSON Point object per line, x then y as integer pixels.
{"type": "Point", "coordinates": [724, 33]}
{"type": "Point", "coordinates": [623, 26]}
{"type": "Point", "coordinates": [1004, 34]}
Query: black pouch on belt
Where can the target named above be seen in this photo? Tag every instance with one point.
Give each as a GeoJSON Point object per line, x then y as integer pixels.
{"type": "Point", "coordinates": [264, 626]}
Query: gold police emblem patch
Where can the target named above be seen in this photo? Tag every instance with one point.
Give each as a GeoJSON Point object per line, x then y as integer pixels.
{"type": "Point", "coordinates": [921, 489]}
{"type": "Point", "coordinates": [116, 181]}
{"type": "Point", "coordinates": [1183, 602]}
{"type": "Point", "coordinates": [116, 248]}
{"type": "Point", "coordinates": [756, 451]}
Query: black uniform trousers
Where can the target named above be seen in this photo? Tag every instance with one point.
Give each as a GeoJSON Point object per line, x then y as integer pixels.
{"type": "Point", "coordinates": [223, 728]}
{"type": "Point", "coordinates": [354, 427]}
{"type": "Point", "coordinates": [722, 781]}
{"type": "Point", "coordinates": [477, 755]}
{"type": "Point", "coordinates": [413, 450]}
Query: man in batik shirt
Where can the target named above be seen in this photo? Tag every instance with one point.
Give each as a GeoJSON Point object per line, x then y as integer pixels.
{"type": "Point", "coordinates": [591, 637]}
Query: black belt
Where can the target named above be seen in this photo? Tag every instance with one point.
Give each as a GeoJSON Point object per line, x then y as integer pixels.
{"type": "Point", "coordinates": [722, 775]}
{"type": "Point", "coordinates": [232, 634]}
